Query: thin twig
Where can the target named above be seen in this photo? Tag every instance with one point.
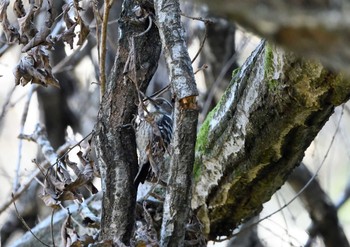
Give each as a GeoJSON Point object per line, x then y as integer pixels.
{"type": "Point", "coordinates": [6, 106]}
{"type": "Point", "coordinates": [75, 145]}
{"type": "Point", "coordinates": [20, 143]}
{"type": "Point", "coordinates": [159, 92]}
{"type": "Point", "coordinates": [103, 49]}
{"type": "Point", "coordinates": [204, 66]}
{"type": "Point", "coordinates": [196, 18]}
{"type": "Point", "coordinates": [206, 23]}
{"type": "Point", "coordinates": [26, 225]}
{"type": "Point", "coordinates": [98, 21]}
{"type": "Point", "coordinates": [202, 43]}
{"type": "Point", "coordinates": [148, 28]}
{"type": "Point", "coordinates": [51, 226]}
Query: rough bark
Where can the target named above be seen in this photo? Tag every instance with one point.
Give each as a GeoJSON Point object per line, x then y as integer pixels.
{"type": "Point", "coordinates": [320, 207]}
{"type": "Point", "coordinates": [274, 107]}
{"type": "Point", "coordinates": [178, 192]}
{"type": "Point", "coordinates": [116, 138]}
{"type": "Point", "coordinates": [318, 29]}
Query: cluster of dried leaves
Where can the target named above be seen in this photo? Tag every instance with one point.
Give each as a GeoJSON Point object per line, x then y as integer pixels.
{"type": "Point", "coordinates": [60, 186]}
{"type": "Point", "coordinates": [34, 67]}
{"type": "Point", "coordinates": [64, 181]}
{"type": "Point", "coordinates": [70, 236]}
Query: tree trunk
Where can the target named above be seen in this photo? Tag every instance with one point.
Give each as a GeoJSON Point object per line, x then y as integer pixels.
{"type": "Point", "coordinates": [115, 135]}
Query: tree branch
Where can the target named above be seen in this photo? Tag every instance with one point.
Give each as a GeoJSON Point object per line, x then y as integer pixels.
{"type": "Point", "coordinates": [317, 29]}
{"type": "Point", "coordinates": [320, 207]}
{"type": "Point", "coordinates": [103, 48]}
{"type": "Point", "coordinates": [178, 193]}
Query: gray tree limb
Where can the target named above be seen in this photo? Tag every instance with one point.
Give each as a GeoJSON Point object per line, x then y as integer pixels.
{"type": "Point", "coordinates": [178, 192]}
{"type": "Point", "coordinates": [257, 134]}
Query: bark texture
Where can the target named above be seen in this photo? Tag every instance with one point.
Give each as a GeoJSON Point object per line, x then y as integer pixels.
{"type": "Point", "coordinates": [178, 192]}
{"type": "Point", "coordinates": [116, 138]}
{"type": "Point", "coordinates": [257, 134]}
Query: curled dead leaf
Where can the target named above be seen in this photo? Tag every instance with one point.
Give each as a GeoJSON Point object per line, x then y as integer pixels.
{"type": "Point", "coordinates": [35, 68]}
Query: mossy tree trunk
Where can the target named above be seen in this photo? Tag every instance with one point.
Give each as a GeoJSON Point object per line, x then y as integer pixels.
{"type": "Point", "coordinates": [257, 134]}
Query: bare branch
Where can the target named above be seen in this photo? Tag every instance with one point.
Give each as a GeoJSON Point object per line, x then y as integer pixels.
{"type": "Point", "coordinates": [5, 107]}
{"type": "Point", "coordinates": [23, 121]}
{"type": "Point", "coordinates": [103, 48]}
{"type": "Point", "coordinates": [320, 207]}
{"type": "Point", "coordinates": [26, 225]}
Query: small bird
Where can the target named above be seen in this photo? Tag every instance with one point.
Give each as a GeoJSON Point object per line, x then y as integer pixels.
{"type": "Point", "coordinates": [154, 129]}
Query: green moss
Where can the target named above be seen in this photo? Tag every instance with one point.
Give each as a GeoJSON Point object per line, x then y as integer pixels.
{"type": "Point", "coordinates": [235, 72]}
{"type": "Point", "coordinates": [341, 89]}
{"type": "Point", "coordinates": [273, 85]}
{"type": "Point", "coordinates": [197, 169]}
{"type": "Point", "coordinates": [269, 69]}
{"type": "Point", "coordinates": [268, 63]}
{"type": "Point", "coordinates": [202, 142]}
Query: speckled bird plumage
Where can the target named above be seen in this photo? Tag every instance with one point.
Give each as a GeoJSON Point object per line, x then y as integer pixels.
{"type": "Point", "coordinates": [154, 128]}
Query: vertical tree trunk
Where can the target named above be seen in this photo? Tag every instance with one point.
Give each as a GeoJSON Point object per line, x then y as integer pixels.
{"type": "Point", "coordinates": [136, 62]}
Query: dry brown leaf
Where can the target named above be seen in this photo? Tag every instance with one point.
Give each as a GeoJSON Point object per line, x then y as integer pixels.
{"type": "Point", "coordinates": [68, 21]}
{"type": "Point", "coordinates": [84, 31]}
{"type": "Point", "coordinates": [88, 222]}
{"type": "Point", "coordinates": [3, 8]}
{"type": "Point", "coordinates": [70, 236]}
{"type": "Point", "coordinates": [27, 28]}
{"type": "Point", "coordinates": [84, 176]}
{"type": "Point", "coordinates": [19, 9]}
{"type": "Point", "coordinates": [11, 32]}
{"type": "Point", "coordinates": [64, 174]}
{"type": "Point", "coordinates": [20, 72]}
{"type": "Point", "coordinates": [49, 201]}
{"type": "Point", "coordinates": [35, 68]}
{"type": "Point", "coordinates": [64, 235]}
{"type": "Point", "coordinates": [72, 165]}
{"type": "Point", "coordinates": [87, 239]}
{"type": "Point", "coordinates": [69, 35]}
{"type": "Point", "coordinates": [68, 195]}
